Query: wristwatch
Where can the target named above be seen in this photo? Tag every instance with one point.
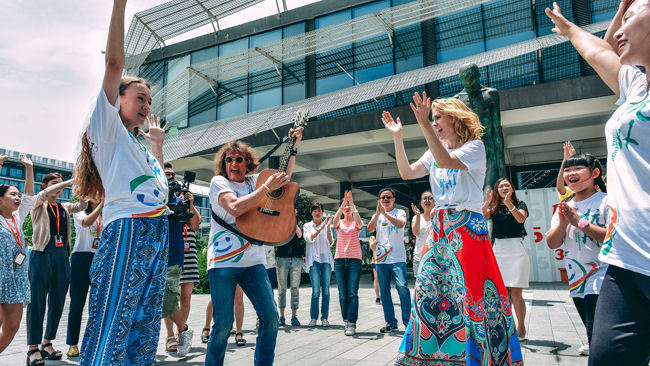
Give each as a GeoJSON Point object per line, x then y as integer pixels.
{"type": "Point", "coordinates": [583, 223]}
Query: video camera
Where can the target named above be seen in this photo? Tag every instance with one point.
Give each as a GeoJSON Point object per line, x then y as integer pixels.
{"type": "Point", "coordinates": [181, 213]}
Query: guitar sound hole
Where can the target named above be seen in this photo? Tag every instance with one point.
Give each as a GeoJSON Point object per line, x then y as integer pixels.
{"type": "Point", "coordinates": [276, 193]}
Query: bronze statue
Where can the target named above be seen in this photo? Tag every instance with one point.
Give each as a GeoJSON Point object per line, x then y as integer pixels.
{"type": "Point", "coordinates": [484, 101]}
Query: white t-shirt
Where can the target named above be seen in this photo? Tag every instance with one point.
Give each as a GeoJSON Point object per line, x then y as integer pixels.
{"type": "Point", "coordinates": [421, 237]}
{"type": "Point", "coordinates": [134, 181]}
{"type": "Point", "coordinates": [318, 249]}
{"type": "Point", "coordinates": [585, 271]}
{"type": "Point", "coordinates": [627, 244]}
{"type": "Point", "coordinates": [85, 236]}
{"type": "Point", "coordinates": [456, 188]}
{"type": "Point", "coordinates": [226, 249]}
{"type": "Point", "coordinates": [390, 239]}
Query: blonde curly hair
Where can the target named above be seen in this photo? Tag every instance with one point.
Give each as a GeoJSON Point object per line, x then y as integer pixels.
{"type": "Point", "coordinates": [468, 126]}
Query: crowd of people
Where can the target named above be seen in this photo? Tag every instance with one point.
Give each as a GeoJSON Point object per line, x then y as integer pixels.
{"type": "Point", "coordinates": [137, 266]}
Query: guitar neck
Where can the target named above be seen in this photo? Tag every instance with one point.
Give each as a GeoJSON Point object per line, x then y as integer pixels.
{"type": "Point", "coordinates": [284, 163]}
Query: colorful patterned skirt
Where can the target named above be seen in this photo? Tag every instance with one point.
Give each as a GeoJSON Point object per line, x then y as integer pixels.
{"type": "Point", "coordinates": [460, 314]}
{"type": "Point", "coordinates": [127, 279]}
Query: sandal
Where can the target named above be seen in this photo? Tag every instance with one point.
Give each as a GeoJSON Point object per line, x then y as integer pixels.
{"type": "Point", "coordinates": [36, 362]}
{"type": "Point", "coordinates": [240, 342]}
{"type": "Point", "coordinates": [55, 355]}
{"type": "Point", "coordinates": [205, 338]}
{"type": "Point", "coordinates": [171, 345]}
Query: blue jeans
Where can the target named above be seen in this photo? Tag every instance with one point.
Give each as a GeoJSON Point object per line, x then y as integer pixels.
{"type": "Point", "coordinates": [320, 275]}
{"type": "Point", "coordinates": [348, 273]}
{"type": "Point", "coordinates": [254, 281]}
{"type": "Point", "coordinates": [386, 272]}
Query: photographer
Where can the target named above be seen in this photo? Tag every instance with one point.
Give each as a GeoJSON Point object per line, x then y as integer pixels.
{"type": "Point", "coordinates": [181, 203]}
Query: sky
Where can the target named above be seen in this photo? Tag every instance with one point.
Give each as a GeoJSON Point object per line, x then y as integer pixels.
{"type": "Point", "coordinates": [51, 67]}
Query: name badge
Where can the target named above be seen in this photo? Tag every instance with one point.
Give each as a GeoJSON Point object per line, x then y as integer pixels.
{"type": "Point", "coordinates": [96, 243]}
{"type": "Point", "coordinates": [20, 259]}
{"type": "Point", "coordinates": [187, 246]}
{"type": "Point", "coordinates": [58, 241]}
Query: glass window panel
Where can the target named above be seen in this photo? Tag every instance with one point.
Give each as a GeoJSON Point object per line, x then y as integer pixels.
{"type": "Point", "coordinates": [3, 171]}
{"type": "Point", "coordinates": [373, 59]}
{"type": "Point", "coordinates": [513, 73]}
{"type": "Point", "coordinates": [203, 102]}
{"type": "Point", "coordinates": [507, 22]}
{"type": "Point", "coordinates": [459, 34]}
{"type": "Point", "coordinates": [408, 48]}
{"type": "Point", "coordinates": [293, 30]}
{"type": "Point", "coordinates": [155, 75]}
{"type": "Point", "coordinates": [16, 173]}
{"type": "Point", "coordinates": [233, 93]}
{"type": "Point", "coordinates": [371, 8]}
{"type": "Point", "coordinates": [265, 85]}
{"type": "Point", "coordinates": [544, 24]}
{"type": "Point", "coordinates": [329, 75]}
{"type": "Point", "coordinates": [204, 54]}
{"type": "Point", "coordinates": [293, 73]}
{"type": "Point", "coordinates": [175, 67]}
{"type": "Point", "coordinates": [603, 9]}
{"type": "Point", "coordinates": [560, 62]}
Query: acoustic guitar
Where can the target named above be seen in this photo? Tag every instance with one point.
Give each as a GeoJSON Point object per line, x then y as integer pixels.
{"type": "Point", "coordinates": [273, 221]}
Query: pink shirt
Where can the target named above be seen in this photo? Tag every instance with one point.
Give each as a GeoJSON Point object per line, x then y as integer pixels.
{"type": "Point", "coordinates": [347, 240]}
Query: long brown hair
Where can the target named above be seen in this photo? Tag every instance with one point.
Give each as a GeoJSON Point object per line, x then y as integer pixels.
{"type": "Point", "coordinates": [87, 182]}
{"type": "Point", "coordinates": [220, 157]}
{"type": "Point", "coordinates": [496, 197]}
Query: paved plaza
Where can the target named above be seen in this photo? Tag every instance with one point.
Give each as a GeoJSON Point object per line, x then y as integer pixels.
{"type": "Point", "coordinates": [555, 333]}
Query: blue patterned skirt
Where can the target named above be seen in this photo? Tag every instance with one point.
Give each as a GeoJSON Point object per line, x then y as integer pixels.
{"type": "Point", "coordinates": [127, 279]}
{"type": "Point", "coordinates": [460, 314]}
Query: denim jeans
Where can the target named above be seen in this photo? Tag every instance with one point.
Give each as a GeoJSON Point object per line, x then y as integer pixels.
{"type": "Point", "coordinates": [320, 275]}
{"type": "Point", "coordinates": [255, 283]}
{"type": "Point", "coordinates": [348, 273]}
{"type": "Point", "coordinates": [288, 266]}
{"type": "Point", "coordinates": [386, 272]}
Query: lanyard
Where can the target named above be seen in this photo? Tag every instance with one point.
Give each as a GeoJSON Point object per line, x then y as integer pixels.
{"type": "Point", "coordinates": [56, 215]}
{"type": "Point", "coordinates": [185, 230]}
{"type": "Point", "coordinates": [15, 234]}
{"type": "Point", "coordinates": [99, 225]}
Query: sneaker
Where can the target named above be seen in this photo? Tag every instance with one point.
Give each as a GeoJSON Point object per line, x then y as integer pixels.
{"type": "Point", "coordinates": [388, 328]}
{"type": "Point", "coordinates": [325, 322]}
{"type": "Point", "coordinates": [185, 341]}
{"type": "Point", "coordinates": [312, 323]}
{"type": "Point", "coordinates": [378, 301]}
{"type": "Point", "coordinates": [282, 322]}
{"type": "Point", "coordinates": [294, 321]}
{"type": "Point", "coordinates": [350, 329]}
{"type": "Point", "coordinates": [584, 350]}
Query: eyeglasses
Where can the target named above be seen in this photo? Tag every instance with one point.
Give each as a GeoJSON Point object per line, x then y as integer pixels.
{"type": "Point", "coordinates": [229, 159]}
{"type": "Point", "coordinates": [386, 197]}
{"type": "Point", "coordinates": [427, 199]}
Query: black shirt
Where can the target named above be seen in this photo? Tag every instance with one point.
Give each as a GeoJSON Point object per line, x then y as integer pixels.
{"type": "Point", "coordinates": [63, 222]}
{"type": "Point", "coordinates": [293, 249]}
{"type": "Point", "coordinates": [504, 225]}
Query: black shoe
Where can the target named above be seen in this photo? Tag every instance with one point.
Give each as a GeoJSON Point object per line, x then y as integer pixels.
{"type": "Point", "coordinates": [378, 301]}
{"type": "Point", "coordinates": [388, 328]}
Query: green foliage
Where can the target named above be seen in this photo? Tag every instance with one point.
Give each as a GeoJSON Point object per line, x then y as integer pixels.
{"type": "Point", "coordinates": [28, 230]}
{"type": "Point", "coordinates": [203, 287]}
{"type": "Point", "coordinates": [303, 205]}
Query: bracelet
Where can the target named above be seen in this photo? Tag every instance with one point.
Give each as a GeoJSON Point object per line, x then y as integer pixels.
{"type": "Point", "coordinates": [266, 187]}
{"type": "Point", "coordinates": [513, 208]}
{"type": "Point", "coordinates": [294, 152]}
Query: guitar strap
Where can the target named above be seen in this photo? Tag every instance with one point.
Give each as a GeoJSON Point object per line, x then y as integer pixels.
{"type": "Point", "coordinates": [233, 229]}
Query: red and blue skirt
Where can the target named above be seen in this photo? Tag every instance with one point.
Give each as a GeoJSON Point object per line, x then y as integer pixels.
{"type": "Point", "coordinates": [460, 314]}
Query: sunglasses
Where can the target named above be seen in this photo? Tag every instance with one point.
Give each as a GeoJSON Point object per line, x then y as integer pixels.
{"type": "Point", "coordinates": [386, 197]}
{"type": "Point", "coordinates": [230, 159]}
{"type": "Point", "coordinates": [427, 198]}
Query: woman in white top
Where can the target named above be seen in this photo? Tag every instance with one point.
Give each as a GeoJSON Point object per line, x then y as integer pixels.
{"type": "Point", "coordinates": [319, 262]}
{"type": "Point", "coordinates": [129, 267]}
{"type": "Point", "coordinates": [461, 312]}
{"type": "Point", "coordinates": [420, 226]}
{"type": "Point", "coordinates": [622, 320]}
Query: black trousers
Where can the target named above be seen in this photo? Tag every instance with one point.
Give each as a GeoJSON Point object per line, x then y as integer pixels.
{"type": "Point", "coordinates": [586, 308]}
{"type": "Point", "coordinates": [622, 324]}
{"type": "Point", "coordinates": [79, 284]}
{"type": "Point", "coordinates": [49, 277]}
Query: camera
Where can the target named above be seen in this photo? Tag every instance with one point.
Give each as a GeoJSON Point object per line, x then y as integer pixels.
{"type": "Point", "coordinates": [180, 211]}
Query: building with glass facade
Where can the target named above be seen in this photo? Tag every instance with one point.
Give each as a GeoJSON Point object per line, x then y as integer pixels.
{"type": "Point", "coordinates": [13, 172]}
{"type": "Point", "coordinates": [547, 96]}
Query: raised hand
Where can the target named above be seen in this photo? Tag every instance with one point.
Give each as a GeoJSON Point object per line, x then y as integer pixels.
{"type": "Point", "coordinates": [508, 198]}
{"type": "Point", "coordinates": [348, 197]}
{"type": "Point", "coordinates": [394, 127]}
{"type": "Point", "coordinates": [488, 195]}
{"type": "Point", "coordinates": [415, 209]}
{"type": "Point", "coordinates": [569, 150]}
{"type": "Point", "coordinates": [297, 133]}
{"type": "Point", "coordinates": [155, 134]}
{"type": "Point", "coordinates": [570, 214]}
{"type": "Point", "coordinates": [380, 208]}
{"type": "Point", "coordinates": [3, 158]}
{"type": "Point", "coordinates": [276, 180]}
{"type": "Point", "coordinates": [562, 25]}
{"type": "Point", "coordinates": [421, 107]}
{"type": "Point", "coordinates": [24, 160]}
